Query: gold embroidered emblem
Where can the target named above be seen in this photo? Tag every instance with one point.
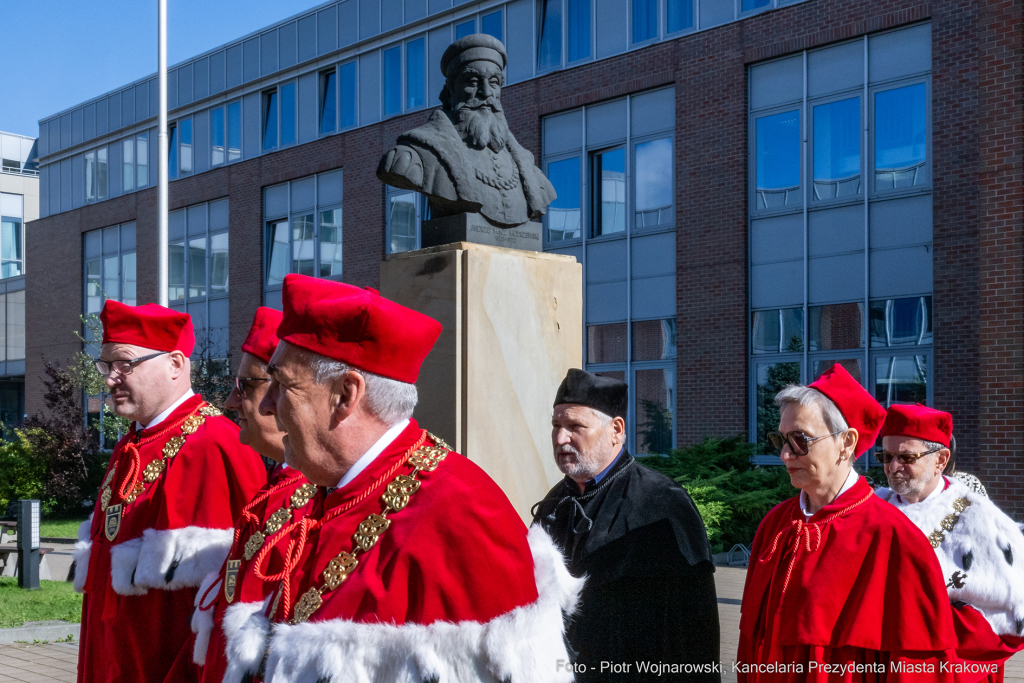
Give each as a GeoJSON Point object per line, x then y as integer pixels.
{"type": "Point", "coordinates": [231, 579]}
{"type": "Point", "coordinates": [397, 495]}
{"type": "Point", "coordinates": [153, 470]}
{"type": "Point", "coordinates": [369, 531]}
{"type": "Point", "coordinates": [338, 569]}
{"type": "Point", "coordinates": [307, 604]}
{"type": "Point", "coordinates": [277, 520]}
{"type": "Point", "coordinates": [253, 545]}
{"type": "Point", "coordinates": [105, 498]}
{"type": "Point", "coordinates": [302, 495]}
{"type": "Point", "coordinates": [112, 523]}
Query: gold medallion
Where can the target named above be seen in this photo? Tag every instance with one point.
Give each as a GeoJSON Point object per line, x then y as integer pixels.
{"type": "Point", "coordinates": [369, 531]}
{"type": "Point", "coordinates": [253, 545]}
{"type": "Point", "coordinates": [277, 520]}
{"type": "Point", "coordinates": [191, 424]}
{"type": "Point", "coordinates": [153, 470]}
{"type": "Point", "coordinates": [338, 569]}
{"type": "Point", "coordinates": [112, 522]}
{"type": "Point", "coordinates": [231, 579]}
{"type": "Point", "coordinates": [307, 604]}
{"type": "Point", "coordinates": [302, 495]}
{"type": "Point", "coordinates": [173, 445]}
{"type": "Point", "coordinates": [397, 495]}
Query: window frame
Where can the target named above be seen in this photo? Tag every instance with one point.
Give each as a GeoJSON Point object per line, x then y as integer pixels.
{"type": "Point", "coordinates": [421, 211]}
{"type": "Point", "coordinates": [895, 84]}
{"type": "Point", "coordinates": [185, 238]}
{"type": "Point", "coordinates": [801, 172]}
{"type": "Point", "coordinates": [808, 172]}
{"type": "Point", "coordinates": [580, 155]}
{"type": "Point", "coordinates": [99, 193]}
{"type": "Point", "coordinates": [265, 93]}
{"type": "Point", "coordinates": [321, 77]}
{"type": "Point", "coordinates": [20, 220]}
{"type": "Point", "coordinates": [563, 61]}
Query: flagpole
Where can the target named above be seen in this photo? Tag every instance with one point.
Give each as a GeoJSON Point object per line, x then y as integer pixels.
{"type": "Point", "coordinates": [161, 163]}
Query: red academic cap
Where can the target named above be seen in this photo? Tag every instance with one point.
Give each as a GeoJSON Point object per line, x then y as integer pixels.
{"type": "Point", "coordinates": [262, 338]}
{"type": "Point", "coordinates": [356, 326]}
{"type": "Point", "coordinates": [860, 410]}
{"type": "Point", "coordinates": [919, 422]}
{"type": "Point", "coordinates": [150, 326]}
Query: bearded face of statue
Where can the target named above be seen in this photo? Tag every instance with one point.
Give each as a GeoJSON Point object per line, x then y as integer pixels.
{"type": "Point", "coordinates": [475, 105]}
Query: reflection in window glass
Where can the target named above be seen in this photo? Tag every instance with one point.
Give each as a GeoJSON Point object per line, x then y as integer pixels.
{"type": "Point", "coordinates": [277, 261]}
{"type": "Point", "coordinates": [609, 183]}
{"type": "Point", "coordinates": [128, 278]}
{"type": "Point", "coordinates": [217, 136]}
{"type": "Point", "coordinates": [234, 131]}
{"type": "Point", "coordinates": [348, 95]}
{"type": "Point", "coordinates": [415, 73]}
{"type": "Point", "coordinates": [654, 339]}
{"type": "Point", "coordinates": [10, 247]}
{"type": "Point", "coordinates": [93, 287]}
{"type": "Point", "coordinates": [219, 264]}
{"type": "Point", "coordinates": [3, 327]}
{"type": "Point", "coordinates": [901, 379]}
{"type": "Point", "coordinates": [491, 25]}
{"type": "Point", "coordinates": [142, 160]}
{"type": "Point", "coordinates": [655, 403]}
{"type": "Point", "coordinates": [680, 15]}
{"type": "Point", "coordinates": [778, 160]}
{"type": "Point", "coordinates": [549, 47]}
{"type": "Point", "coordinates": [270, 119]}
{"type": "Point", "coordinates": [127, 167]}
{"type": "Point", "coordinates": [579, 29]}
{"type": "Point", "coordinates": [16, 325]}
{"type": "Point", "coordinates": [176, 271]}
{"type": "Point", "coordinates": [777, 331]}
{"type": "Point", "coordinates": [851, 365]}
{"type": "Point", "coordinates": [652, 179]}
{"type": "Point", "coordinates": [90, 176]}
{"type": "Point", "coordinates": [403, 222]}
{"type": "Point", "coordinates": [754, 4]}
{"type": "Point", "coordinates": [606, 343]}
{"type": "Point", "coordinates": [112, 278]}
{"type": "Point", "coordinates": [303, 248]}
{"type": "Point", "coordinates": [771, 379]}
{"type": "Point", "coordinates": [197, 267]}
{"type": "Point", "coordinates": [645, 20]}
{"type": "Point", "coordinates": [837, 326]}
{"type": "Point", "coordinates": [288, 114]}
{"type": "Point", "coordinates": [172, 152]}
{"type": "Point", "coordinates": [393, 80]}
{"type": "Point", "coordinates": [900, 137]}
{"type": "Point", "coordinates": [328, 100]}
{"type": "Point", "coordinates": [901, 322]}
{"type": "Point", "coordinates": [466, 28]}
{"type": "Point", "coordinates": [185, 133]}
{"type": "Point", "coordinates": [563, 216]}
{"type": "Point", "coordinates": [837, 149]}
{"type": "Point", "coordinates": [101, 173]}
{"type": "Point", "coordinates": [330, 244]}
{"type": "Point", "coordinates": [614, 374]}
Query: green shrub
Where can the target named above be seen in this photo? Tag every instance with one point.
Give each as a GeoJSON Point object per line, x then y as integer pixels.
{"type": "Point", "coordinates": [21, 473]}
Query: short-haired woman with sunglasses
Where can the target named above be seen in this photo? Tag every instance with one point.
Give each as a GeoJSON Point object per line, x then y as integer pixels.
{"type": "Point", "coordinates": [838, 587]}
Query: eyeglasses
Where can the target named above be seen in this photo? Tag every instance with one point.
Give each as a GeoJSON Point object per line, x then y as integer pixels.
{"type": "Point", "coordinates": [240, 386]}
{"type": "Point", "coordinates": [885, 457]}
{"type": "Point", "coordinates": [798, 442]}
{"type": "Point", "coordinates": [122, 367]}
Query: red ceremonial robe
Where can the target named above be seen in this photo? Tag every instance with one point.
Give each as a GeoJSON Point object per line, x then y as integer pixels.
{"type": "Point", "coordinates": [139, 587]}
{"type": "Point", "coordinates": [251, 584]}
{"type": "Point", "coordinates": [855, 585]}
{"type": "Point", "coordinates": [454, 589]}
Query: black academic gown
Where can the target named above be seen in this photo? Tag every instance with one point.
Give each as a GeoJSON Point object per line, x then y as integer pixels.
{"type": "Point", "coordinates": [650, 589]}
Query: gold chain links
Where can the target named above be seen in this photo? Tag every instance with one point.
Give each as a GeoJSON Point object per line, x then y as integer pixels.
{"type": "Point", "coordinates": [277, 520]}
{"type": "Point", "coordinates": [948, 522]}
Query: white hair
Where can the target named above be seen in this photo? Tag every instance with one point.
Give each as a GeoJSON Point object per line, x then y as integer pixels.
{"type": "Point", "coordinates": [808, 397]}
{"type": "Point", "coordinates": [389, 400]}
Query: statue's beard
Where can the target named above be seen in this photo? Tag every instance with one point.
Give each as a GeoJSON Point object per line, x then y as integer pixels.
{"type": "Point", "coordinates": [481, 123]}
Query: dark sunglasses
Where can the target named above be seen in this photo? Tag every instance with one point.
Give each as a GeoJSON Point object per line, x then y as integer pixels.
{"type": "Point", "coordinates": [122, 367]}
{"type": "Point", "coordinates": [885, 457]}
{"type": "Point", "coordinates": [242, 387]}
{"type": "Point", "coordinates": [798, 442]}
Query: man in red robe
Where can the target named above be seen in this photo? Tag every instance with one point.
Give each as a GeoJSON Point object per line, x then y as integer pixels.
{"type": "Point", "coordinates": [839, 587]}
{"type": "Point", "coordinates": [248, 576]}
{"type": "Point", "coordinates": [163, 518]}
{"type": "Point", "coordinates": [417, 567]}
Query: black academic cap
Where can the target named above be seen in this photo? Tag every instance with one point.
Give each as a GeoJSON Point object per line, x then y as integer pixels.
{"type": "Point", "coordinates": [608, 395]}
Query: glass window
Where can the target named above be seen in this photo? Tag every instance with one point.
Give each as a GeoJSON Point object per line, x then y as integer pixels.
{"type": "Point", "coordinates": [777, 331]}
{"type": "Point", "coordinates": [654, 391]}
{"type": "Point", "coordinates": [197, 267]}
{"type": "Point", "coordinates": [142, 160]}
{"type": "Point", "coordinates": [837, 149]}
{"type": "Point", "coordinates": [491, 25]}
{"type": "Point", "coordinates": [606, 343]}
{"type": "Point", "coordinates": [128, 278]}
{"type": "Point", "coordinates": [270, 119]}
{"type": "Point", "coordinates": [851, 365]}
{"type": "Point", "coordinates": [185, 133]}
{"type": "Point", "coordinates": [303, 245]}
{"type": "Point", "coordinates": [288, 114]}
{"type": "Point", "coordinates": [217, 136]}
{"type": "Point", "coordinates": [112, 277]}
{"type": "Point", "coordinates": [93, 287]}
{"type": "Point", "coordinates": [680, 15]}
{"type": "Point", "coordinates": [836, 326]}
{"type": "Point", "coordinates": [754, 4]}
{"type": "Point", "coordinates": [900, 131]}
{"type": "Point", "coordinates": [219, 264]}
{"type": "Point", "coordinates": [608, 170]}
{"type": "Point", "coordinates": [652, 180]}
{"type": "Point", "coordinates": [330, 244]}
{"type": "Point", "coordinates": [645, 20]}
{"type": "Point", "coordinates": [403, 221]}
{"type": "Point", "coordinates": [277, 261]}
{"type": "Point", "coordinates": [466, 28]}
{"type": "Point", "coordinates": [563, 216]}
{"type": "Point", "coordinates": [176, 271]}
{"type": "Point", "coordinates": [128, 165]}
{"type": "Point", "coordinates": [771, 379]}
{"type": "Point", "coordinates": [348, 94]}
{"type": "Point", "coordinates": [90, 176]}
{"type": "Point", "coordinates": [579, 29]}
{"type": "Point", "coordinates": [3, 327]}
{"type": "Point", "coordinates": [10, 247]}
{"type": "Point", "coordinates": [172, 152]}
{"type": "Point", "coordinates": [328, 100]}
{"type": "Point", "coordinates": [778, 160]}
{"type": "Point", "coordinates": [234, 131]}
{"type": "Point", "coordinates": [415, 73]}
{"type": "Point", "coordinates": [101, 173]}
{"type": "Point", "coordinates": [901, 379]}
{"type": "Point", "coordinates": [393, 81]}
{"type": "Point", "coordinates": [549, 47]}
{"type": "Point", "coordinates": [901, 322]}
{"type": "Point", "coordinates": [654, 339]}
{"type": "Point", "coordinates": [16, 325]}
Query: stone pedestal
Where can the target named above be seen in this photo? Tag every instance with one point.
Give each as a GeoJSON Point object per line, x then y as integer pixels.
{"type": "Point", "coordinates": [512, 329]}
{"type": "Point", "coordinates": [472, 227]}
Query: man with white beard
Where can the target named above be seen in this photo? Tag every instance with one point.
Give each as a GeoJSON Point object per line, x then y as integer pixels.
{"type": "Point", "coordinates": [465, 158]}
{"type": "Point", "coordinates": [649, 595]}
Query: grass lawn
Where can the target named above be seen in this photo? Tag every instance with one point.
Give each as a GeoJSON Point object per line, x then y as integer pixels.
{"type": "Point", "coordinates": [55, 600]}
{"type": "Point", "coordinates": [57, 528]}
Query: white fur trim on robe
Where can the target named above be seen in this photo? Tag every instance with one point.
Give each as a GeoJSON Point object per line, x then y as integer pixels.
{"type": "Point", "coordinates": [245, 634]}
{"type": "Point", "coordinates": [81, 554]}
{"type": "Point", "coordinates": [168, 559]}
{"type": "Point", "coordinates": [985, 544]}
{"type": "Point", "coordinates": [202, 619]}
{"type": "Point", "coordinates": [520, 646]}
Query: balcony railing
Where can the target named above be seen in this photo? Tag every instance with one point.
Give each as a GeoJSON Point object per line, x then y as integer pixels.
{"type": "Point", "coordinates": [20, 170]}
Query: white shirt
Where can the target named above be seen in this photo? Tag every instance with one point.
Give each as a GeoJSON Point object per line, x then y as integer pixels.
{"type": "Point", "coordinates": [805, 502]}
{"type": "Point", "coordinates": [375, 450]}
{"type": "Point", "coordinates": [164, 415]}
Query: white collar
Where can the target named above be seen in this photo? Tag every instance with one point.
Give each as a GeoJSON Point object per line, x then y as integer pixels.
{"type": "Point", "coordinates": [164, 415]}
{"type": "Point", "coordinates": [805, 502]}
{"type": "Point", "coordinates": [375, 450]}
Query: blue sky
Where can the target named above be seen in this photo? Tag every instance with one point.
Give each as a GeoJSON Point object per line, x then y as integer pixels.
{"type": "Point", "coordinates": [58, 53]}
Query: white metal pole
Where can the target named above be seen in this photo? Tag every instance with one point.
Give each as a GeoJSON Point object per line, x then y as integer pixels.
{"type": "Point", "coordinates": [161, 163]}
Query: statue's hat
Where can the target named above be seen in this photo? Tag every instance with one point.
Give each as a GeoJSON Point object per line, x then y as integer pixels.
{"type": "Point", "coordinates": [476, 47]}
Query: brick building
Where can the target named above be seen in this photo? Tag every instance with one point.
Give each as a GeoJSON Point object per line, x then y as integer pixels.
{"type": "Point", "coordinates": [756, 188]}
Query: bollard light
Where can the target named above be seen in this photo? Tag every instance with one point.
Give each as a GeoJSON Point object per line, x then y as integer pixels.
{"type": "Point", "coordinates": [28, 544]}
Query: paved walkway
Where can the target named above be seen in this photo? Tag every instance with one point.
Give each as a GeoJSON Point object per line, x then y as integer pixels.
{"type": "Point", "coordinates": [57, 662]}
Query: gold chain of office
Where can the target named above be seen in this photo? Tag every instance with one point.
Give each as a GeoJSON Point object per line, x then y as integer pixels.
{"type": "Point", "coordinates": [948, 522]}
{"type": "Point", "coordinates": [276, 521]}
{"type": "Point", "coordinates": [395, 498]}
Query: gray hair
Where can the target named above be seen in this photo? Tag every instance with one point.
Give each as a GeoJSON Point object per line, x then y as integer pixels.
{"type": "Point", "coordinates": [808, 397]}
{"type": "Point", "coordinates": [935, 445]}
{"type": "Point", "coordinates": [389, 400]}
